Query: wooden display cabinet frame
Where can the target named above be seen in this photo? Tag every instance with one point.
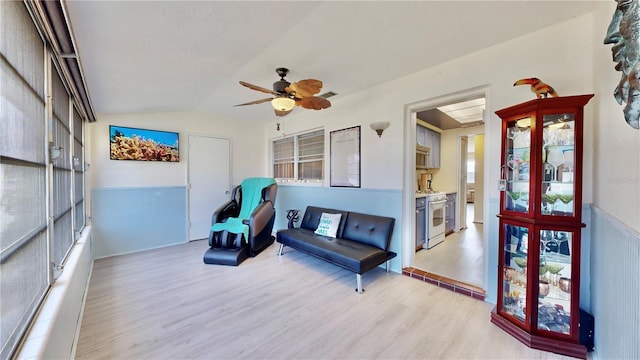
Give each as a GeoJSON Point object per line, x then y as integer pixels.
{"type": "Point", "coordinates": [523, 322]}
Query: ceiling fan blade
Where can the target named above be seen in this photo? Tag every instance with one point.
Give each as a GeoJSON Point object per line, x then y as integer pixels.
{"type": "Point", "coordinates": [314, 103]}
{"type": "Point", "coordinates": [256, 102]}
{"type": "Point", "coordinates": [305, 88]}
{"type": "Point", "coordinates": [258, 88]}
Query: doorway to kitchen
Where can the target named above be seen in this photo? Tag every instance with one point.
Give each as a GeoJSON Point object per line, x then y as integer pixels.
{"type": "Point", "coordinates": [460, 256]}
{"type": "Point", "coordinates": [459, 120]}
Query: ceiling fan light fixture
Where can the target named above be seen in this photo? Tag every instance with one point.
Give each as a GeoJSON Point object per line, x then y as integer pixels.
{"type": "Point", "coordinates": [283, 103]}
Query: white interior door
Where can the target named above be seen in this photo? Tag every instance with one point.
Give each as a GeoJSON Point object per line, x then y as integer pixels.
{"type": "Point", "coordinates": [209, 181]}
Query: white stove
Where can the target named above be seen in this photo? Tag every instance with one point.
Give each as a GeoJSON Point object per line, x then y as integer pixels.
{"type": "Point", "coordinates": [435, 212]}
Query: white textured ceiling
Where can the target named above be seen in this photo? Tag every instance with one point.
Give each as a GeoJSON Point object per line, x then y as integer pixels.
{"type": "Point", "coordinates": [156, 56]}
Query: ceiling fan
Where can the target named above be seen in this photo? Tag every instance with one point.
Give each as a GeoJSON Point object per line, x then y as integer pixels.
{"type": "Point", "coordinates": [287, 95]}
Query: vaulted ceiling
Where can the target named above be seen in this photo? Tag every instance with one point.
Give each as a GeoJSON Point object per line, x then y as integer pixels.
{"type": "Point", "coordinates": [157, 56]}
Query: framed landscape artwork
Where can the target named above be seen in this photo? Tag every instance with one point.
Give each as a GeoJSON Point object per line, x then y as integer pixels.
{"type": "Point", "coordinates": [142, 144]}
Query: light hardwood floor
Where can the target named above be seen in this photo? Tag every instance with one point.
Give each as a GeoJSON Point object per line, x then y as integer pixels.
{"type": "Point", "coordinates": [167, 304]}
{"type": "Point", "coordinates": [459, 257]}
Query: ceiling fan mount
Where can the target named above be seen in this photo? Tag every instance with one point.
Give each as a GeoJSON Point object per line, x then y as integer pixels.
{"type": "Point", "coordinates": [281, 85]}
{"type": "Point", "coordinates": [288, 95]}
{"type": "Point", "coordinates": [282, 72]}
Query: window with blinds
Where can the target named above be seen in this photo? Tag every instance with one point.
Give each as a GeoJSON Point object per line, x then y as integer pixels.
{"type": "Point", "coordinates": [283, 158]}
{"type": "Point", "coordinates": [41, 200]}
{"type": "Point", "coordinates": [311, 156]}
{"type": "Point", "coordinates": [299, 157]}
{"type": "Point", "coordinates": [62, 172]}
{"type": "Point", "coordinates": [23, 220]}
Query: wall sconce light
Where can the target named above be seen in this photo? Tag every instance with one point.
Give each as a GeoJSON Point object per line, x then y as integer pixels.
{"type": "Point", "coordinates": [55, 152]}
{"type": "Point", "coordinates": [379, 127]}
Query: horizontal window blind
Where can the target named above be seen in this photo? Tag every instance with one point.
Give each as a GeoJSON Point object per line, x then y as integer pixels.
{"type": "Point", "coordinates": [299, 157]}
{"type": "Point", "coordinates": [283, 158]}
{"type": "Point", "coordinates": [63, 232]}
{"type": "Point", "coordinates": [23, 223]}
{"type": "Point", "coordinates": [32, 186]}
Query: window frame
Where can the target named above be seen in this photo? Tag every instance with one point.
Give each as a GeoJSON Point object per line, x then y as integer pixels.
{"type": "Point", "coordinates": [61, 203]}
{"type": "Point", "coordinates": [296, 160]}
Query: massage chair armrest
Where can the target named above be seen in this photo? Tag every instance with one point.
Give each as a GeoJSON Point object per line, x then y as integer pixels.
{"type": "Point", "coordinates": [225, 211]}
{"type": "Point", "coordinates": [261, 217]}
{"type": "Point", "coordinates": [229, 209]}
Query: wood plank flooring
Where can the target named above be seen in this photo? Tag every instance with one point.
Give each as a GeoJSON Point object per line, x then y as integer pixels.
{"type": "Point", "coordinates": [167, 304]}
{"type": "Point", "coordinates": [459, 257]}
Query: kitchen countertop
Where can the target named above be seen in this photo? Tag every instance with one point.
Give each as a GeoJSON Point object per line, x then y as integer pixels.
{"type": "Point", "coordinates": [421, 195]}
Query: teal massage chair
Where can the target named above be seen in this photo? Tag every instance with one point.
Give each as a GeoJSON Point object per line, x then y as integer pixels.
{"type": "Point", "coordinates": [242, 226]}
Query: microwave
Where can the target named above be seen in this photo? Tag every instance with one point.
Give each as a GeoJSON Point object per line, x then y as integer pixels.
{"type": "Point", "coordinates": [422, 157]}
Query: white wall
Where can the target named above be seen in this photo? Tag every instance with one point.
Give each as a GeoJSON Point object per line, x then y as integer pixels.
{"type": "Point", "coordinates": [559, 55]}
{"type": "Point", "coordinates": [106, 173]}
{"type": "Point", "coordinates": [446, 178]}
{"type": "Point", "coordinates": [616, 145]}
{"type": "Point", "coordinates": [614, 229]}
{"type": "Point", "coordinates": [380, 167]}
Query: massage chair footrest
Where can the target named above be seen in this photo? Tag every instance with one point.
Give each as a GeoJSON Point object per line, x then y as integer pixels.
{"type": "Point", "coordinates": [226, 256]}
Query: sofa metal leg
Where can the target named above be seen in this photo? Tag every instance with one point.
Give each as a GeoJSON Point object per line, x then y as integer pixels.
{"type": "Point", "coordinates": [359, 283]}
{"type": "Point", "coordinates": [388, 262]}
{"type": "Point", "coordinates": [280, 250]}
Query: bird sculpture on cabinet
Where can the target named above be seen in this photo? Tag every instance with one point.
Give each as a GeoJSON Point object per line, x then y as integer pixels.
{"type": "Point", "coordinates": [541, 89]}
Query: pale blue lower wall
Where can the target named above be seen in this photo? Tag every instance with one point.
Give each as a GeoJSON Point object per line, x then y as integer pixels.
{"type": "Point", "coordinates": [368, 201]}
{"type": "Point", "coordinates": [133, 219]}
{"type": "Point", "coordinates": [615, 287]}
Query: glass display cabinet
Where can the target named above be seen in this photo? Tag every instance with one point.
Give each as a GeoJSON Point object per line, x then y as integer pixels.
{"type": "Point", "coordinates": [540, 223]}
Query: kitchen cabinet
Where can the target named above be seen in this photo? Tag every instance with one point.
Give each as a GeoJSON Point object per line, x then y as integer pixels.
{"type": "Point", "coordinates": [450, 217]}
{"type": "Point", "coordinates": [431, 139]}
{"type": "Point", "coordinates": [540, 223]}
{"type": "Point", "coordinates": [421, 135]}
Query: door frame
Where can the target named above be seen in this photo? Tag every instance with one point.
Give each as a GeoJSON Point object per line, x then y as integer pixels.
{"type": "Point", "coordinates": [461, 200]}
{"type": "Point", "coordinates": [409, 183]}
